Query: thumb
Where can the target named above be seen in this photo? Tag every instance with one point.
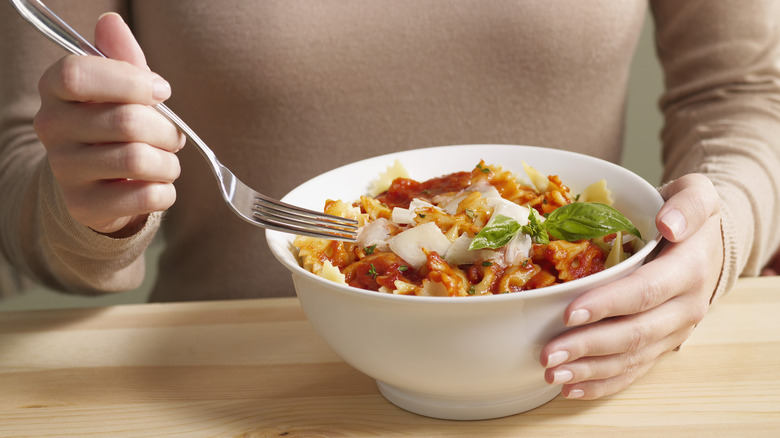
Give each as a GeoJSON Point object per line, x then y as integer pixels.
{"type": "Point", "coordinates": [115, 39]}
{"type": "Point", "coordinates": [690, 201]}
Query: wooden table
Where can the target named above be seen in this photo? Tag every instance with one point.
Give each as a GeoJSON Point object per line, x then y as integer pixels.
{"type": "Point", "coordinates": [255, 368]}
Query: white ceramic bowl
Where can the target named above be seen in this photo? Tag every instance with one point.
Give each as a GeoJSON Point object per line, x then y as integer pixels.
{"type": "Point", "coordinates": [457, 357]}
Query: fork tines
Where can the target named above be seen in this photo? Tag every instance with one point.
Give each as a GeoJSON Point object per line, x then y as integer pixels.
{"type": "Point", "coordinates": [285, 217]}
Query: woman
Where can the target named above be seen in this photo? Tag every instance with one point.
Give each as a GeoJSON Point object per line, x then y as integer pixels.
{"type": "Point", "coordinates": [285, 90]}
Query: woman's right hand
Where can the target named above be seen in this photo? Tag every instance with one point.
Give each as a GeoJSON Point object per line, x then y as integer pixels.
{"type": "Point", "coordinates": [112, 154]}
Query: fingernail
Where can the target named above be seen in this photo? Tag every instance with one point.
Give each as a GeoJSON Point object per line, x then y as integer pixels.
{"type": "Point", "coordinates": [578, 317]}
{"type": "Point", "coordinates": [161, 89]}
{"type": "Point", "coordinates": [110, 13]}
{"type": "Point", "coordinates": [675, 222]}
{"type": "Point", "coordinates": [562, 376]}
{"type": "Point", "coordinates": [575, 393]}
{"type": "Point", "coordinates": [556, 358]}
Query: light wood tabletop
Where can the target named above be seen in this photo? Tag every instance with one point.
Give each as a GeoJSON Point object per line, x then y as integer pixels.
{"type": "Point", "coordinates": [256, 368]}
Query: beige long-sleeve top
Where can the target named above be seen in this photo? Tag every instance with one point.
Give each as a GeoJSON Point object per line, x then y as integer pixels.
{"type": "Point", "coordinates": [284, 90]}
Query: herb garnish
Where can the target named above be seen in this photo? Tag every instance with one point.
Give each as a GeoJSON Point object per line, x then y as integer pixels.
{"type": "Point", "coordinates": [587, 220]}
{"type": "Point", "coordinates": [571, 222]}
{"type": "Point", "coordinates": [372, 271]}
{"type": "Point", "coordinates": [369, 249]}
{"type": "Point", "coordinates": [497, 233]}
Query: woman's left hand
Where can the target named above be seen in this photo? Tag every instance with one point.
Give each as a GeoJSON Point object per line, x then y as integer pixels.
{"type": "Point", "coordinates": [618, 331]}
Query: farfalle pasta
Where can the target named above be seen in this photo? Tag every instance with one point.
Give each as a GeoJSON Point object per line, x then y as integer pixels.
{"type": "Point", "coordinates": [468, 233]}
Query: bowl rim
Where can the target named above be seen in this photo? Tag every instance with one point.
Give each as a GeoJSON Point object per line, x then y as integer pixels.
{"type": "Point", "coordinates": [276, 241]}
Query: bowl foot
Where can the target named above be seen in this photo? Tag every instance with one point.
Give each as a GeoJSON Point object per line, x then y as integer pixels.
{"type": "Point", "coordinates": [467, 409]}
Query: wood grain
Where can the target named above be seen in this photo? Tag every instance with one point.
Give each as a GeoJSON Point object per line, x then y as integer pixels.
{"type": "Point", "coordinates": [255, 368]}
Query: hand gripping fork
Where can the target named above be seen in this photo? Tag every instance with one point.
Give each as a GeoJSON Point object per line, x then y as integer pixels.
{"type": "Point", "coordinates": [250, 205]}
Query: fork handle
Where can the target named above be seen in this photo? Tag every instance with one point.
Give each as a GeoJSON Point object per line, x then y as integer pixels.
{"type": "Point", "coordinates": [57, 30]}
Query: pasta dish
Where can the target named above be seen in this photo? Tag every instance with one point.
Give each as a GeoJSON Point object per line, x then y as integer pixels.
{"type": "Point", "coordinates": [478, 232]}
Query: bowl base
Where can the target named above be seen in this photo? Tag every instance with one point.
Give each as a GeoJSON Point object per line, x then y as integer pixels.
{"type": "Point", "coordinates": [464, 409]}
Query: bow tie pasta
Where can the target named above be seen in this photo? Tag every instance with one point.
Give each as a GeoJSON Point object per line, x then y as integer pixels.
{"type": "Point", "coordinates": [474, 232]}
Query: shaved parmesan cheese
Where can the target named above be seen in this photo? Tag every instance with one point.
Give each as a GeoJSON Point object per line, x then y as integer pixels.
{"type": "Point", "coordinates": [459, 253]}
{"type": "Point", "coordinates": [486, 189]}
{"type": "Point", "coordinates": [508, 208]}
{"type": "Point", "coordinates": [450, 206]}
{"type": "Point", "coordinates": [406, 216]}
{"type": "Point", "coordinates": [409, 244]}
{"type": "Point", "coordinates": [375, 233]}
{"type": "Point", "coordinates": [518, 249]}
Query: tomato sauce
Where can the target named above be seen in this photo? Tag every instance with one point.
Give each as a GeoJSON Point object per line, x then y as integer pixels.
{"type": "Point", "coordinates": [403, 190]}
{"type": "Point", "coordinates": [380, 269]}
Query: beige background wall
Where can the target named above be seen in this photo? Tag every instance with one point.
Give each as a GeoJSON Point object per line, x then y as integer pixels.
{"type": "Point", "coordinates": [642, 156]}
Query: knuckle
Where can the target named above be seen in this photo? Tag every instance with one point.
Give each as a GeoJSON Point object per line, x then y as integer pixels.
{"type": "Point", "coordinates": [632, 366]}
{"type": "Point", "coordinates": [640, 337]}
{"type": "Point", "coordinates": [650, 291]}
{"type": "Point", "coordinates": [696, 314]}
{"type": "Point", "coordinates": [128, 121]}
{"type": "Point", "coordinates": [175, 167]}
{"type": "Point", "coordinates": [134, 160]}
{"type": "Point", "coordinates": [70, 76]}
{"type": "Point", "coordinates": [157, 197]}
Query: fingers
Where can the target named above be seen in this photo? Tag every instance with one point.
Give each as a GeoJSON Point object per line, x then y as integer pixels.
{"type": "Point", "coordinates": [124, 78]}
{"type": "Point", "coordinates": [115, 40]}
{"type": "Point", "coordinates": [676, 270]}
{"type": "Point", "coordinates": [690, 200]}
{"type": "Point", "coordinates": [622, 328]}
{"type": "Point", "coordinates": [594, 376]}
{"type": "Point", "coordinates": [112, 154]}
{"type": "Point", "coordinates": [605, 358]}
{"type": "Point", "coordinates": [93, 79]}
{"type": "Point", "coordinates": [119, 200]}
{"type": "Point", "coordinates": [63, 122]}
{"type": "Point", "coordinates": [94, 163]}
{"type": "Point", "coordinates": [668, 276]}
{"type": "Point", "coordinates": [597, 388]}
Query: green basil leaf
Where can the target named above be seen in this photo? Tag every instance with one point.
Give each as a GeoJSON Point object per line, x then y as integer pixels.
{"type": "Point", "coordinates": [497, 233]}
{"type": "Point", "coordinates": [535, 228]}
{"type": "Point", "coordinates": [587, 220]}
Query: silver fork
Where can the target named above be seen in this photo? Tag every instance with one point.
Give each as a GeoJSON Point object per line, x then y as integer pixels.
{"type": "Point", "coordinates": [248, 204]}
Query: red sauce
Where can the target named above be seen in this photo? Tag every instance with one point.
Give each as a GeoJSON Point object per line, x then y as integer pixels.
{"type": "Point", "coordinates": [380, 269]}
{"type": "Point", "coordinates": [402, 190]}
{"type": "Point", "coordinates": [589, 262]}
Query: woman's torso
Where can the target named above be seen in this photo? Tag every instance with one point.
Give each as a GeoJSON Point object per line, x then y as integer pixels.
{"type": "Point", "coordinates": [283, 91]}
